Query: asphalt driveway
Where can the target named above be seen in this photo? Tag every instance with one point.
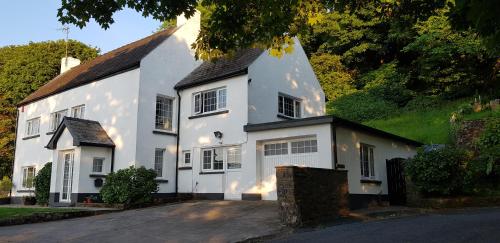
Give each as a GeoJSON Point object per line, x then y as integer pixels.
{"type": "Point", "coordinates": [468, 225]}
{"type": "Point", "coordinates": [197, 221]}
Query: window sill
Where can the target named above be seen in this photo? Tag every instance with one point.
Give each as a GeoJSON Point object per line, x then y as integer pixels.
{"type": "Point", "coordinates": [186, 168]}
{"type": "Point", "coordinates": [209, 114]}
{"type": "Point", "coordinates": [97, 175]}
{"type": "Point", "coordinates": [211, 172]}
{"type": "Point", "coordinates": [50, 133]}
{"type": "Point", "coordinates": [371, 181]}
{"type": "Point", "coordinates": [164, 132]}
{"type": "Point", "coordinates": [287, 117]}
{"type": "Point", "coordinates": [30, 137]}
{"type": "Point", "coordinates": [160, 180]}
{"type": "Point", "coordinates": [26, 190]}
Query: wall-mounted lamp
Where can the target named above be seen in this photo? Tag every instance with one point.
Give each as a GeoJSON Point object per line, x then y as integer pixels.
{"type": "Point", "coordinates": [218, 134]}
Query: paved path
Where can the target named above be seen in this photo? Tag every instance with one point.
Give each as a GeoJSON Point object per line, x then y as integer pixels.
{"type": "Point", "coordinates": [472, 225]}
{"type": "Point", "coordinates": [202, 221]}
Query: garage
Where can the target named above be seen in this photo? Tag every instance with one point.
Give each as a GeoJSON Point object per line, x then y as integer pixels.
{"type": "Point", "coordinates": [301, 151]}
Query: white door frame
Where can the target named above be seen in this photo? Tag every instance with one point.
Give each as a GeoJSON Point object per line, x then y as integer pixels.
{"type": "Point", "coordinates": [67, 174]}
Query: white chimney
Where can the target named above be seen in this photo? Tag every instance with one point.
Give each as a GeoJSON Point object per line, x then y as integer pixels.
{"type": "Point", "coordinates": [68, 62]}
{"type": "Point", "coordinates": [181, 20]}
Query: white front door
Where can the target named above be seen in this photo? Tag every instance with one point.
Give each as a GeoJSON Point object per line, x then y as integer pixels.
{"type": "Point", "coordinates": [299, 152]}
{"type": "Point", "coordinates": [67, 181]}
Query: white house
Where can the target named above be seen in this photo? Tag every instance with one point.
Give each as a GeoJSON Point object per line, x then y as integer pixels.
{"type": "Point", "coordinates": [212, 129]}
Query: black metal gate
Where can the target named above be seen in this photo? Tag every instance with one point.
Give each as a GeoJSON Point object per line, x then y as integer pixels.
{"type": "Point", "coordinates": [396, 181]}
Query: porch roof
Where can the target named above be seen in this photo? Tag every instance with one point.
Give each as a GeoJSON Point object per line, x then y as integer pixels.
{"type": "Point", "coordinates": [84, 133]}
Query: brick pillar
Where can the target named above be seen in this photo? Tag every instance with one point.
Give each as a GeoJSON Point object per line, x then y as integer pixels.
{"type": "Point", "coordinates": [311, 195]}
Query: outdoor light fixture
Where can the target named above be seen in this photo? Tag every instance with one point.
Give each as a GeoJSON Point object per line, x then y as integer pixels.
{"type": "Point", "coordinates": [218, 134]}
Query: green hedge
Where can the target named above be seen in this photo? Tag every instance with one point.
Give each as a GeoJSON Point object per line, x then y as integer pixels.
{"type": "Point", "coordinates": [42, 184]}
{"type": "Point", "coordinates": [131, 186]}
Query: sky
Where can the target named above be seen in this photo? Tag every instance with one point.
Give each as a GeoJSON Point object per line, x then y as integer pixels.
{"type": "Point", "coordinates": [22, 21]}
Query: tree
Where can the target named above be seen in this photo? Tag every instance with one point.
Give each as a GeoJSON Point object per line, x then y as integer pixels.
{"type": "Point", "coordinates": [23, 69]}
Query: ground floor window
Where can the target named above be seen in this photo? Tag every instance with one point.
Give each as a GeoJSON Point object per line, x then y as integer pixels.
{"type": "Point", "coordinates": [217, 159]}
{"type": "Point", "coordinates": [28, 177]}
{"type": "Point", "coordinates": [97, 165]}
{"type": "Point", "coordinates": [367, 161]}
{"type": "Point", "coordinates": [186, 155]}
{"type": "Point", "coordinates": [158, 166]}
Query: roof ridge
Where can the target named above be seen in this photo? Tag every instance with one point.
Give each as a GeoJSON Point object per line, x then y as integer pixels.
{"type": "Point", "coordinates": [109, 63]}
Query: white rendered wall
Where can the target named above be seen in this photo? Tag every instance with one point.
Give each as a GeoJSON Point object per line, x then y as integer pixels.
{"type": "Point", "coordinates": [161, 69]}
{"type": "Point", "coordinates": [348, 142]}
{"type": "Point", "coordinates": [111, 101]}
{"type": "Point", "coordinates": [199, 132]}
{"type": "Point", "coordinates": [291, 74]}
{"type": "Point", "coordinates": [87, 155]}
{"type": "Point", "coordinates": [253, 158]}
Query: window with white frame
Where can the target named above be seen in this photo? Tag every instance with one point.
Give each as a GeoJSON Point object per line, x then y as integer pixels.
{"type": "Point", "coordinates": [275, 149]}
{"type": "Point", "coordinates": [28, 177]}
{"type": "Point", "coordinates": [158, 166]}
{"type": "Point", "coordinates": [367, 161]}
{"type": "Point", "coordinates": [186, 155]}
{"type": "Point", "coordinates": [56, 118]}
{"type": "Point", "coordinates": [233, 158]}
{"type": "Point", "coordinates": [210, 101]}
{"type": "Point", "coordinates": [97, 165]}
{"type": "Point", "coordinates": [304, 146]}
{"type": "Point", "coordinates": [78, 111]}
{"type": "Point", "coordinates": [32, 127]}
{"type": "Point", "coordinates": [216, 159]}
{"type": "Point", "coordinates": [289, 106]}
{"type": "Point", "coordinates": [164, 112]}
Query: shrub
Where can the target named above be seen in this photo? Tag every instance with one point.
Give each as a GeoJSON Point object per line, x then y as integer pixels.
{"type": "Point", "coordinates": [422, 103]}
{"type": "Point", "coordinates": [5, 186]}
{"type": "Point", "coordinates": [131, 186]}
{"type": "Point", "coordinates": [42, 184]}
{"type": "Point", "coordinates": [489, 145]}
{"type": "Point", "coordinates": [438, 172]}
{"type": "Point", "coordinates": [361, 106]}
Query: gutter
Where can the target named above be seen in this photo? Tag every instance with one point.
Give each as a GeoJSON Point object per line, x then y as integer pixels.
{"type": "Point", "coordinates": [112, 159]}
{"type": "Point", "coordinates": [177, 143]}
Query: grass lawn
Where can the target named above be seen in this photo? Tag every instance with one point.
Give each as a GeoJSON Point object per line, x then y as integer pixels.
{"type": "Point", "coordinates": [11, 212]}
{"type": "Point", "coordinates": [431, 126]}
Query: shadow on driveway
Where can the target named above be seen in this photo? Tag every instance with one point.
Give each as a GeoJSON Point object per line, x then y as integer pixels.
{"type": "Point", "coordinates": [196, 221]}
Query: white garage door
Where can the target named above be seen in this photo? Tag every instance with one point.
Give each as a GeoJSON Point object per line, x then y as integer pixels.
{"type": "Point", "coordinates": [300, 152]}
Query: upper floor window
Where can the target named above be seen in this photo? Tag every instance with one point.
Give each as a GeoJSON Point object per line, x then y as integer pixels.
{"type": "Point", "coordinates": [78, 111]}
{"type": "Point", "coordinates": [158, 166]}
{"type": "Point", "coordinates": [28, 177]}
{"type": "Point", "coordinates": [367, 161]}
{"type": "Point", "coordinates": [288, 106]}
{"type": "Point", "coordinates": [164, 111]}
{"type": "Point", "coordinates": [209, 101]}
{"type": "Point", "coordinates": [33, 127]}
{"type": "Point", "coordinates": [56, 118]}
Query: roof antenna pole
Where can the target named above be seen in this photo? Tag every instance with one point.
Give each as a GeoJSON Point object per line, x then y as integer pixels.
{"type": "Point", "coordinates": [65, 29]}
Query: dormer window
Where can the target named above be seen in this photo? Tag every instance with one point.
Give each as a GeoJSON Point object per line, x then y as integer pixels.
{"type": "Point", "coordinates": [209, 101]}
{"type": "Point", "coordinates": [289, 106]}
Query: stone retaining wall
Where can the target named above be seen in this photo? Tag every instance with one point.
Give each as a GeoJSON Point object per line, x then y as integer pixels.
{"type": "Point", "coordinates": [311, 195]}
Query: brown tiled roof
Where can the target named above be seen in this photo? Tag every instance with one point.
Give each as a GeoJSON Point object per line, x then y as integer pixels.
{"type": "Point", "coordinates": [84, 133]}
{"type": "Point", "coordinates": [123, 58]}
{"type": "Point", "coordinates": [221, 69]}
